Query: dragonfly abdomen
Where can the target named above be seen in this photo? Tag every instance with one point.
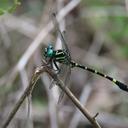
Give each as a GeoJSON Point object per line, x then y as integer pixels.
{"type": "Point", "coordinates": [118, 83]}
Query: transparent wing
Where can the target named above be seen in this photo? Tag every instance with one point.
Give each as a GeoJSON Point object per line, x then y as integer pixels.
{"type": "Point", "coordinates": [52, 84]}
{"type": "Point", "coordinates": [64, 75]}
{"type": "Point", "coordinates": [65, 72]}
{"type": "Point", "coordinates": [56, 24]}
{"type": "Point", "coordinates": [65, 69]}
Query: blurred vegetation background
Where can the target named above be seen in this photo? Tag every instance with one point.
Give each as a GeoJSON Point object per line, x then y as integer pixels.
{"type": "Point", "coordinates": [97, 36]}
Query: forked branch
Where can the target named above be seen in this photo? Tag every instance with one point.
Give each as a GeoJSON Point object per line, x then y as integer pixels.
{"type": "Point", "coordinates": [38, 71]}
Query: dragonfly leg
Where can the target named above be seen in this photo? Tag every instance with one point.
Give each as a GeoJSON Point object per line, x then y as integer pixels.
{"type": "Point", "coordinates": [58, 69]}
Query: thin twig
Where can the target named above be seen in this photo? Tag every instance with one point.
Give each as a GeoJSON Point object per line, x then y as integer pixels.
{"type": "Point", "coordinates": [83, 99]}
{"type": "Point", "coordinates": [78, 104]}
{"type": "Point", "coordinates": [26, 93]}
{"type": "Point", "coordinates": [75, 100]}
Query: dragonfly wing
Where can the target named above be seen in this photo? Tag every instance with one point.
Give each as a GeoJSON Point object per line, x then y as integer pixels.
{"type": "Point", "coordinates": [52, 84]}
{"type": "Point", "coordinates": [56, 24]}
{"type": "Point", "coordinates": [64, 75]}
{"type": "Point", "coordinates": [65, 70]}
{"type": "Point", "coordinates": [61, 96]}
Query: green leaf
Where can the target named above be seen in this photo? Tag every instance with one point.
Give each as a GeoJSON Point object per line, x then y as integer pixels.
{"type": "Point", "coordinates": [8, 7]}
{"type": "Point", "coordinates": [13, 8]}
{"type": "Point", "coordinates": [1, 12]}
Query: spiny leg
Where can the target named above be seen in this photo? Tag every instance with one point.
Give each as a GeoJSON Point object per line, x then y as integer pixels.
{"type": "Point", "coordinates": [58, 69]}
{"type": "Point", "coordinates": [121, 85]}
{"type": "Point", "coordinates": [53, 82]}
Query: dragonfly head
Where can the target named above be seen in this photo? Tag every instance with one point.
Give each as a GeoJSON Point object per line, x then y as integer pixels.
{"type": "Point", "coordinates": [49, 51]}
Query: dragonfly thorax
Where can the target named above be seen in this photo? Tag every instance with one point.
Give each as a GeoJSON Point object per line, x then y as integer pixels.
{"type": "Point", "coordinates": [61, 56]}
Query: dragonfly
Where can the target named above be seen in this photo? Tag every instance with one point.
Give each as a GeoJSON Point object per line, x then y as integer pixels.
{"type": "Point", "coordinates": [58, 56]}
{"type": "Point", "coordinates": [62, 56]}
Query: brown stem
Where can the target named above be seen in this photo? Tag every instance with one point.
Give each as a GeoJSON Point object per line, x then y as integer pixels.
{"type": "Point", "coordinates": [31, 86]}
{"type": "Point", "coordinates": [26, 93]}
{"type": "Point", "coordinates": [76, 102]}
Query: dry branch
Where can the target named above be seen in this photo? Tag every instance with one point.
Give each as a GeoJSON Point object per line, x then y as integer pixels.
{"type": "Point", "coordinates": [38, 71]}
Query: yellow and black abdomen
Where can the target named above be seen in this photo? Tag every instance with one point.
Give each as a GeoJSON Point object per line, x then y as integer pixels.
{"type": "Point", "coordinates": [118, 83]}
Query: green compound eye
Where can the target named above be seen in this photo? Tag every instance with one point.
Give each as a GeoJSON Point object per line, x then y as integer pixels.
{"type": "Point", "coordinates": [49, 51]}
